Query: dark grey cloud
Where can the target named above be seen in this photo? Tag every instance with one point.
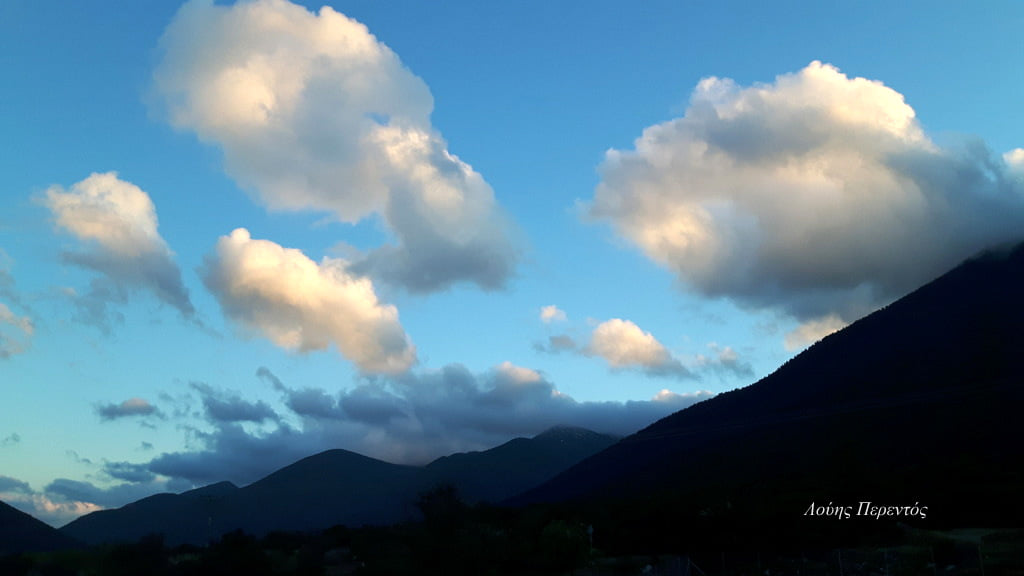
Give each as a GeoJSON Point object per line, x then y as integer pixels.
{"type": "Point", "coordinates": [11, 439]}
{"type": "Point", "coordinates": [231, 453]}
{"type": "Point", "coordinates": [130, 407]}
{"type": "Point", "coordinates": [407, 418]}
{"type": "Point", "coordinates": [313, 402]}
{"type": "Point", "coordinates": [129, 472]}
{"type": "Point", "coordinates": [557, 344]}
{"type": "Point", "coordinates": [221, 407]}
{"type": "Point", "coordinates": [64, 489]}
{"type": "Point", "coordinates": [264, 373]}
{"type": "Point", "coordinates": [8, 484]}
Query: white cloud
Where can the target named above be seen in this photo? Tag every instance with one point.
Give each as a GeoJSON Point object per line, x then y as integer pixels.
{"type": "Point", "coordinates": [1015, 161]}
{"type": "Point", "coordinates": [312, 112]}
{"type": "Point", "coordinates": [811, 331]}
{"type": "Point", "coordinates": [817, 194]}
{"type": "Point", "coordinates": [517, 374]}
{"type": "Point", "coordinates": [549, 314]}
{"type": "Point", "coordinates": [301, 305]}
{"type": "Point", "coordinates": [623, 344]}
{"type": "Point", "coordinates": [117, 222]}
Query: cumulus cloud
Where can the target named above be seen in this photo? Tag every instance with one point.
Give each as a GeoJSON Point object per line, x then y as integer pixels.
{"type": "Point", "coordinates": [623, 344]}
{"type": "Point", "coordinates": [549, 314]}
{"type": "Point", "coordinates": [817, 194]}
{"type": "Point", "coordinates": [117, 222]}
{"type": "Point", "coordinates": [408, 418]}
{"type": "Point", "coordinates": [312, 112]}
{"type": "Point", "coordinates": [301, 305]}
{"type": "Point", "coordinates": [130, 407]}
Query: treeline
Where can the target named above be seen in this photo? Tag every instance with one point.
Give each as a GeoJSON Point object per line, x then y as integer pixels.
{"type": "Point", "coordinates": [452, 538]}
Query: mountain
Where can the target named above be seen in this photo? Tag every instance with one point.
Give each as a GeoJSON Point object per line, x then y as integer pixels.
{"type": "Point", "coordinates": [20, 532]}
{"type": "Point", "coordinates": [519, 464]}
{"type": "Point", "coordinates": [339, 487]}
{"type": "Point", "coordinates": [196, 515]}
{"type": "Point", "coordinates": [916, 404]}
{"type": "Point", "coordinates": [333, 487]}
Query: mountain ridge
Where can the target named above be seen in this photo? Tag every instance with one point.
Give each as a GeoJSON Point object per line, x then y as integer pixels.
{"type": "Point", "coordinates": [915, 402]}
{"type": "Point", "coordinates": [338, 486]}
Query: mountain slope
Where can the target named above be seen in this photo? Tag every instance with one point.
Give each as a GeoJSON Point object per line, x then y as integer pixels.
{"type": "Point", "coordinates": [193, 516]}
{"type": "Point", "coordinates": [338, 487]}
{"type": "Point", "coordinates": [916, 403]}
{"type": "Point", "coordinates": [519, 464]}
{"type": "Point", "coordinates": [20, 532]}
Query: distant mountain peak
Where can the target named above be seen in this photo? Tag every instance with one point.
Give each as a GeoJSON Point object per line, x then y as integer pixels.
{"type": "Point", "coordinates": [561, 432]}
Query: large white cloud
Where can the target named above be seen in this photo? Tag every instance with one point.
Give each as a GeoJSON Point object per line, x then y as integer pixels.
{"type": "Point", "coordinates": [117, 222]}
{"type": "Point", "coordinates": [312, 112]}
{"type": "Point", "coordinates": [817, 194]}
{"type": "Point", "coordinates": [301, 305]}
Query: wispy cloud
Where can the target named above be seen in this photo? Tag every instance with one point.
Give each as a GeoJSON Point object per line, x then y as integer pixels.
{"type": "Point", "coordinates": [312, 112]}
{"type": "Point", "coordinates": [117, 224]}
{"type": "Point", "coordinates": [15, 329]}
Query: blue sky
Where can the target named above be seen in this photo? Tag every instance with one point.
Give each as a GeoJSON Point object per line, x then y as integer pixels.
{"type": "Point", "coordinates": [235, 235]}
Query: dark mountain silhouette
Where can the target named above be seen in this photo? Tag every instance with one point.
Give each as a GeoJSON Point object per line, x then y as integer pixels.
{"type": "Point", "coordinates": [20, 532]}
{"type": "Point", "coordinates": [187, 517]}
{"type": "Point", "coordinates": [338, 487]}
{"type": "Point", "coordinates": [516, 465]}
{"type": "Point", "coordinates": [916, 403]}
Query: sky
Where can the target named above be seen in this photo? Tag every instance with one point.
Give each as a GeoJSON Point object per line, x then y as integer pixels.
{"type": "Point", "coordinates": [233, 235]}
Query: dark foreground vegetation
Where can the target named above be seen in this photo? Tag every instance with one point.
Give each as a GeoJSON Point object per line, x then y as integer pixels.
{"type": "Point", "coordinates": [453, 538]}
